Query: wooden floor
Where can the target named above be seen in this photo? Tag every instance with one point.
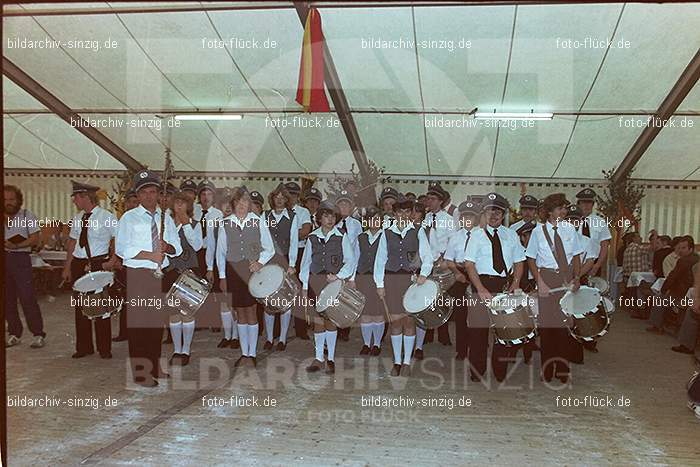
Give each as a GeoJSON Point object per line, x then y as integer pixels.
{"type": "Point", "coordinates": [319, 420]}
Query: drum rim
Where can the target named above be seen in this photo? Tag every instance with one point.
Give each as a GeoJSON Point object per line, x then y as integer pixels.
{"type": "Point", "coordinates": [583, 288]}
{"type": "Point", "coordinates": [93, 276]}
{"type": "Point", "coordinates": [268, 267]}
{"type": "Point", "coordinates": [416, 285]}
{"type": "Point", "coordinates": [318, 299]}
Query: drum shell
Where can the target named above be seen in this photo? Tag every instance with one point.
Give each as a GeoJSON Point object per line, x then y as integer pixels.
{"type": "Point", "coordinates": [591, 325]}
{"type": "Point", "coordinates": [95, 312]}
{"type": "Point", "coordinates": [434, 315]}
{"type": "Point", "coordinates": [281, 299]}
{"type": "Point", "coordinates": [347, 310]}
{"type": "Point", "coordinates": [515, 325]}
{"type": "Point", "coordinates": [188, 293]}
{"type": "Point", "coordinates": [444, 277]}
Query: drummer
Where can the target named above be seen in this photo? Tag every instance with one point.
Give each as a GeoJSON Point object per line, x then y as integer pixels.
{"type": "Point", "coordinates": [387, 198]}
{"type": "Point", "coordinates": [328, 256]}
{"type": "Point", "coordinates": [244, 246]}
{"type": "Point", "coordinates": [349, 226]}
{"type": "Point", "coordinates": [553, 254]}
{"type": "Point", "coordinates": [282, 222]}
{"type": "Point", "coordinates": [190, 233]}
{"type": "Point", "coordinates": [90, 247]}
{"type": "Point", "coordinates": [257, 203]}
{"type": "Point", "coordinates": [454, 256]}
{"type": "Point", "coordinates": [402, 252]}
{"type": "Point", "coordinates": [528, 211]}
{"type": "Point", "coordinates": [305, 227]}
{"type": "Point", "coordinates": [229, 323]}
{"type": "Point", "coordinates": [527, 284]}
{"type": "Point", "coordinates": [493, 254]}
{"type": "Point", "coordinates": [372, 318]}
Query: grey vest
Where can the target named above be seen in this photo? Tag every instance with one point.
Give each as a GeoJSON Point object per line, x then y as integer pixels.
{"type": "Point", "coordinates": [402, 252]}
{"type": "Point", "coordinates": [368, 253]}
{"type": "Point", "coordinates": [280, 231]}
{"type": "Point", "coordinates": [188, 257]}
{"type": "Point", "coordinates": [242, 244]}
{"type": "Point", "coordinates": [326, 256]}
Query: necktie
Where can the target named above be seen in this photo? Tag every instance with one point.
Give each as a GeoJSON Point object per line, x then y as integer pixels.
{"type": "Point", "coordinates": [83, 240]}
{"type": "Point", "coordinates": [204, 223]}
{"type": "Point", "coordinates": [434, 221]}
{"type": "Point", "coordinates": [559, 253]}
{"type": "Point", "coordinates": [499, 265]}
{"type": "Point", "coordinates": [469, 234]}
{"type": "Point", "coordinates": [155, 238]}
{"type": "Point", "coordinates": [586, 229]}
{"type": "Point", "coordinates": [344, 227]}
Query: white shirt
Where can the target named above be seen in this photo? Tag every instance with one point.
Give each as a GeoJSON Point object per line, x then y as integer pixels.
{"type": "Point", "coordinates": [101, 229]}
{"type": "Point", "coordinates": [268, 247]}
{"type": "Point", "coordinates": [388, 221]}
{"type": "Point", "coordinates": [24, 223]}
{"type": "Point", "coordinates": [440, 233]}
{"type": "Point", "coordinates": [293, 234]}
{"type": "Point", "coordinates": [349, 260]}
{"type": "Point", "coordinates": [134, 236]}
{"type": "Point", "coordinates": [193, 235]}
{"type": "Point", "coordinates": [353, 227]}
{"type": "Point", "coordinates": [598, 229]}
{"type": "Point", "coordinates": [480, 250]}
{"type": "Point", "coordinates": [456, 250]}
{"type": "Point", "coordinates": [539, 249]}
{"type": "Point", "coordinates": [382, 257]}
{"type": "Point", "coordinates": [213, 220]}
{"type": "Point", "coordinates": [304, 218]}
{"type": "Point", "coordinates": [371, 238]}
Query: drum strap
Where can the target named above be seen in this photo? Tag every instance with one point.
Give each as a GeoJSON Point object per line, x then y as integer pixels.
{"type": "Point", "coordinates": [557, 248]}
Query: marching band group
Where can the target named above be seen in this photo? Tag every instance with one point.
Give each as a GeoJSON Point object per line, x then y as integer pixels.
{"type": "Point", "coordinates": [380, 251]}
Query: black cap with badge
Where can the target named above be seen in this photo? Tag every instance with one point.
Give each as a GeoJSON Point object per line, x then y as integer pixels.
{"type": "Point", "coordinates": [83, 188]}
{"type": "Point", "coordinates": [188, 185]}
{"type": "Point", "coordinates": [573, 212]}
{"type": "Point", "coordinates": [145, 178]}
{"type": "Point", "coordinates": [494, 200]}
{"type": "Point", "coordinates": [587, 194]}
{"type": "Point", "coordinates": [205, 185]}
{"type": "Point", "coordinates": [529, 201]}
{"type": "Point", "coordinates": [169, 189]}
{"type": "Point", "coordinates": [389, 192]}
{"type": "Point", "coordinates": [313, 193]}
{"type": "Point", "coordinates": [293, 188]}
{"type": "Point", "coordinates": [343, 196]}
{"type": "Point", "coordinates": [256, 197]}
{"type": "Point", "coordinates": [436, 190]}
{"type": "Point", "coordinates": [469, 207]}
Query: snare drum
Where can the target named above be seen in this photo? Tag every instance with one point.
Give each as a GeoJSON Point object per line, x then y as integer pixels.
{"type": "Point", "coordinates": [444, 277]}
{"type": "Point", "coordinates": [512, 318]}
{"type": "Point", "coordinates": [600, 284]}
{"type": "Point", "coordinates": [427, 305]}
{"type": "Point", "coordinates": [95, 294]}
{"type": "Point", "coordinates": [273, 287]}
{"type": "Point", "coordinates": [589, 313]}
{"type": "Point", "coordinates": [340, 304]}
{"type": "Point", "coordinates": [188, 293]}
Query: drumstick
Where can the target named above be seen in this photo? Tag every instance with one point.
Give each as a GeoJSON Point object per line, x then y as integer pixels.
{"type": "Point", "coordinates": [386, 311]}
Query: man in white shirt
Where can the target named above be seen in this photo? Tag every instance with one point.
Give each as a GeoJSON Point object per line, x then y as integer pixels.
{"type": "Point", "coordinates": [554, 259]}
{"type": "Point", "coordinates": [305, 226]}
{"type": "Point", "coordinates": [90, 248]}
{"type": "Point", "coordinates": [493, 254]}
{"type": "Point", "coordinates": [145, 247]}
{"type": "Point", "coordinates": [189, 187]}
{"type": "Point", "coordinates": [352, 228]}
{"type": "Point", "coordinates": [528, 211]}
{"type": "Point", "coordinates": [594, 228]}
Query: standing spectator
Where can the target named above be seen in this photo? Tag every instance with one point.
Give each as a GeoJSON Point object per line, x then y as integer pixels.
{"type": "Point", "coordinates": [21, 234]}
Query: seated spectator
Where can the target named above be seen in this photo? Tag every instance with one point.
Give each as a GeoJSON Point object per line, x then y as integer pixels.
{"type": "Point", "coordinates": [663, 249]}
{"type": "Point", "coordinates": [677, 283]}
{"type": "Point", "coordinates": [688, 334]}
{"type": "Point", "coordinates": [670, 261]}
{"type": "Point", "coordinates": [635, 258]}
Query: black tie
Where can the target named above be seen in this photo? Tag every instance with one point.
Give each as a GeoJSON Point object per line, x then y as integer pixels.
{"type": "Point", "coordinates": [560, 254]}
{"type": "Point", "coordinates": [586, 230]}
{"type": "Point", "coordinates": [469, 234]}
{"type": "Point", "coordinates": [344, 227]}
{"type": "Point", "coordinates": [497, 253]}
{"type": "Point", "coordinates": [204, 223]}
{"type": "Point", "coordinates": [83, 240]}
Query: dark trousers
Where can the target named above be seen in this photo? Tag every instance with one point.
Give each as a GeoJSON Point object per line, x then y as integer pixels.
{"type": "Point", "coordinates": [120, 276]}
{"type": "Point", "coordinates": [555, 340]}
{"type": "Point", "coordinates": [298, 311]}
{"type": "Point", "coordinates": [459, 293]}
{"type": "Point", "coordinates": [18, 285]}
{"type": "Point", "coordinates": [146, 323]}
{"type": "Point", "coordinates": [501, 355]}
{"type": "Point", "coordinates": [83, 325]}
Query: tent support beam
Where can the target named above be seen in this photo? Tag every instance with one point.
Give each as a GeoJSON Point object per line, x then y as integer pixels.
{"type": "Point", "coordinates": [340, 102]}
{"type": "Point", "coordinates": [665, 112]}
{"type": "Point", "coordinates": [55, 105]}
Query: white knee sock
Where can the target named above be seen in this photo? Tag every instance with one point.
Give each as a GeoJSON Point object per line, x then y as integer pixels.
{"type": "Point", "coordinates": [269, 326]}
{"type": "Point", "coordinates": [377, 331]}
{"type": "Point", "coordinates": [366, 329]}
{"type": "Point", "coordinates": [243, 332]}
{"type": "Point", "coordinates": [176, 331]}
{"type": "Point", "coordinates": [420, 337]}
{"type": "Point", "coordinates": [396, 345]}
{"type": "Point", "coordinates": [227, 324]}
{"type": "Point", "coordinates": [187, 335]}
{"type": "Point", "coordinates": [285, 319]}
{"type": "Point", "coordinates": [408, 342]}
{"type": "Point", "coordinates": [331, 337]}
{"type": "Point", "coordinates": [252, 339]}
{"type": "Point", "coordinates": [234, 328]}
{"type": "Point", "coordinates": [319, 341]}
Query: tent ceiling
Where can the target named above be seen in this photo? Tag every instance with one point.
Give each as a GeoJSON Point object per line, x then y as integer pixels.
{"type": "Point", "coordinates": [513, 63]}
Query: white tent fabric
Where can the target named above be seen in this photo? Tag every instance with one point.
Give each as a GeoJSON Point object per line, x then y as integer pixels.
{"type": "Point", "coordinates": [515, 61]}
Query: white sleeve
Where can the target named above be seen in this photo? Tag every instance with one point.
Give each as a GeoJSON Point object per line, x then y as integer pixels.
{"type": "Point", "coordinates": [425, 253]}
{"type": "Point", "coordinates": [472, 248]}
{"type": "Point", "coordinates": [194, 235]}
{"type": "Point", "coordinates": [349, 262]}
{"type": "Point", "coordinates": [123, 245]}
{"type": "Point", "coordinates": [75, 228]}
{"type": "Point", "coordinates": [451, 251]}
{"type": "Point", "coordinates": [518, 252]}
{"type": "Point", "coordinates": [532, 244]}
{"type": "Point", "coordinates": [380, 261]}
{"type": "Point", "coordinates": [294, 241]}
{"type": "Point", "coordinates": [210, 255]}
{"type": "Point", "coordinates": [221, 249]}
{"type": "Point", "coordinates": [356, 248]}
{"type": "Point", "coordinates": [305, 265]}
{"type": "Point", "coordinates": [171, 236]}
{"type": "Point", "coordinates": [268, 246]}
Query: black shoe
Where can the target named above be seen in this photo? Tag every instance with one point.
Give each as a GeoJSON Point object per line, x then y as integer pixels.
{"type": "Point", "coordinates": [106, 355]}
{"type": "Point", "coordinates": [81, 354]}
{"type": "Point", "coordinates": [330, 368]}
{"type": "Point", "coordinates": [345, 336]}
{"type": "Point", "coordinates": [418, 354]}
{"type": "Point", "coordinates": [474, 378]}
{"type": "Point", "coordinates": [460, 356]}
{"type": "Point", "coordinates": [396, 370]}
{"type": "Point", "coordinates": [682, 349]}
{"type": "Point", "coordinates": [119, 339]}
{"type": "Point", "coordinates": [241, 360]}
{"type": "Point", "coordinates": [223, 343]}
{"type": "Point", "coordinates": [215, 330]}
{"type": "Point", "coordinates": [405, 370]}
{"type": "Point", "coordinates": [184, 359]}
{"type": "Point", "coordinates": [375, 351]}
{"type": "Point", "coordinates": [447, 342]}
{"type": "Point", "coordinates": [268, 345]}
{"type": "Point", "coordinates": [314, 367]}
{"type": "Point", "coordinates": [364, 350]}
{"type": "Point", "coordinates": [175, 359]}
{"type": "Point", "coordinates": [235, 344]}
{"type": "Point", "coordinates": [253, 361]}
{"type": "Point", "coordinates": [281, 346]}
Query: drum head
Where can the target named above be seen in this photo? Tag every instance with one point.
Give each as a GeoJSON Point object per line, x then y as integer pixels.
{"type": "Point", "coordinates": [599, 283]}
{"type": "Point", "coordinates": [266, 281]}
{"type": "Point", "coordinates": [586, 299]}
{"type": "Point", "coordinates": [419, 297]}
{"type": "Point", "coordinates": [608, 304]}
{"type": "Point", "coordinates": [94, 281]}
{"type": "Point", "coordinates": [328, 295]}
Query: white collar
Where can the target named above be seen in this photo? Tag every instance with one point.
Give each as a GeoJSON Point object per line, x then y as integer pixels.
{"type": "Point", "coordinates": [490, 229]}
{"type": "Point", "coordinates": [146, 211]}
{"type": "Point", "coordinates": [319, 233]}
{"type": "Point", "coordinates": [395, 228]}
{"type": "Point", "coordinates": [242, 222]}
{"type": "Point", "coordinates": [372, 237]}
{"type": "Point", "coordinates": [284, 213]}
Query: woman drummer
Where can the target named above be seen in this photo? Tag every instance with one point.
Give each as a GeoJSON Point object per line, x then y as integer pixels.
{"type": "Point", "coordinates": [372, 318]}
{"type": "Point", "coordinates": [282, 222]}
{"type": "Point", "coordinates": [328, 256]}
{"type": "Point", "coordinates": [402, 252]}
{"type": "Point", "coordinates": [229, 325]}
{"type": "Point", "coordinates": [190, 232]}
{"type": "Point", "coordinates": [243, 247]}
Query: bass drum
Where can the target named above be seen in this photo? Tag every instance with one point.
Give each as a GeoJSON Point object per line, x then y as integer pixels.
{"type": "Point", "coordinates": [427, 305]}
